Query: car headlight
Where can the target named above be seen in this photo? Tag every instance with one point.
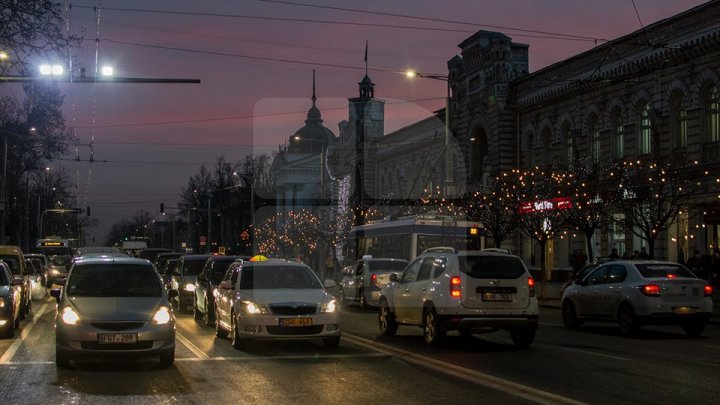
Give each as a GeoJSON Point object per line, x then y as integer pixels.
{"type": "Point", "coordinates": [189, 287]}
{"type": "Point", "coordinates": [329, 307]}
{"type": "Point", "coordinates": [54, 271]}
{"type": "Point", "coordinates": [162, 316]}
{"type": "Point", "coordinates": [253, 308]}
{"type": "Point", "coordinates": [2, 302]}
{"type": "Point", "coordinates": [70, 317]}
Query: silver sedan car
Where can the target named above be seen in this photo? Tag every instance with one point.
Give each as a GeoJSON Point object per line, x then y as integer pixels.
{"type": "Point", "coordinates": [113, 305]}
{"type": "Point", "coordinates": [634, 293]}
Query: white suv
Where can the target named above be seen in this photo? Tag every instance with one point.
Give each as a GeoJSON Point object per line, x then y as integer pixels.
{"type": "Point", "coordinates": [471, 292]}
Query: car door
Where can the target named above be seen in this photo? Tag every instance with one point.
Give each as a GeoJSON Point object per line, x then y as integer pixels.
{"type": "Point", "coordinates": [353, 287]}
{"type": "Point", "coordinates": [401, 292]}
{"type": "Point", "coordinates": [225, 293]}
{"type": "Point", "coordinates": [610, 293]}
{"type": "Point", "coordinates": [202, 285]}
{"type": "Point", "coordinates": [589, 300]}
{"type": "Point", "coordinates": [418, 290]}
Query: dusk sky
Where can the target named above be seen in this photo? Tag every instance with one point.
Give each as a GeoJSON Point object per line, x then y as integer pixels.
{"type": "Point", "coordinates": [255, 60]}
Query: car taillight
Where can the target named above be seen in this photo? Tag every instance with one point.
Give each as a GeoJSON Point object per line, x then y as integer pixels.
{"type": "Point", "coordinates": [455, 284]}
{"type": "Point", "coordinates": [531, 286]}
{"type": "Point", "coordinates": [373, 280]}
{"type": "Point", "coordinates": [708, 290]}
{"type": "Point", "coordinates": [651, 290]}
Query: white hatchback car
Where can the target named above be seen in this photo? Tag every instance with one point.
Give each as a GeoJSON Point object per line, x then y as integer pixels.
{"type": "Point", "coordinates": [275, 299]}
{"type": "Point", "coordinates": [471, 292]}
{"type": "Point", "coordinates": [635, 293]}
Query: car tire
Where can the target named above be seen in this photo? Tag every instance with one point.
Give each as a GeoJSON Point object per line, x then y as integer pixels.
{"type": "Point", "coordinates": [343, 299]}
{"type": "Point", "coordinates": [207, 318]}
{"type": "Point", "coordinates": [694, 329]}
{"type": "Point", "coordinates": [167, 359]}
{"type": "Point", "coordinates": [522, 338]}
{"type": "Point", "coordinates": [61, 359]}
{"type": "Point", "coordinates": [361, 299]}
{"type": "Point", "coordinates": [386, 320]}
{"type": "Point", "coordinates": [331, 342]}
{"type": "Point", "coordinates": [627, 321]}
{"type": "Point", "coordinates": [433, 331]}
{"type": "Point", "coordinates": [219, 331]}
{"type": "Point", "coordinates": [569, 315]}
{"type": "Point", "coordinates": [238, 343]}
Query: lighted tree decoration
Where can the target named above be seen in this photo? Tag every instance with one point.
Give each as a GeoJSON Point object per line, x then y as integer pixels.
{"type": "Point", "coordinates": [497, 212]}
{"type": "Point", "coordinates": [651, 196]}
{"type": "Point", "coordinates": [593, 190]}
{"type": "Point", "coordinates": [535, 195]}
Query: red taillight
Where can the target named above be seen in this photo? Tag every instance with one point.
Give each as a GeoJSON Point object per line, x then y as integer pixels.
{"type": "Point", "coordinates": [708, 290]}
{"type": "Point", "coordinates": [455, 284]}
{"type": "Point", "coordinates": [531, 286]}
{"type": "Point", "coordinates": [373, 280]}
{"type": "Point", "coordinates": [670, 275]}
{"type": "Point", "coordinates": [651, 290]}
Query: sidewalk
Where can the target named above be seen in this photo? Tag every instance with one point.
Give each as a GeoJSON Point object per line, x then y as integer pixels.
{"type": "Point", "coordinates": [552, 299]}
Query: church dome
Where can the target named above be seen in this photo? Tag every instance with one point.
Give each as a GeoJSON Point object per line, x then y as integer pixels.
{"type": "Point", "coordinates": [313, 137]}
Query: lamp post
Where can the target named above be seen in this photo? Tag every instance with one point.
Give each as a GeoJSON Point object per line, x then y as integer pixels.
{"type": "Point", "coordinates": [447, 175]}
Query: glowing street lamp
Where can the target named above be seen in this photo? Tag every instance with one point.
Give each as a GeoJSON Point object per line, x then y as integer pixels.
{"type": "Point", "coordinates": [51, 70]}
{"type": "Point", "coordinates": [107, 71]}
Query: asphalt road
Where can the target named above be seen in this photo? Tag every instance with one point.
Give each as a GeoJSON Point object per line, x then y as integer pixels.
{"type": "Point", "coordinates": [592, 365]}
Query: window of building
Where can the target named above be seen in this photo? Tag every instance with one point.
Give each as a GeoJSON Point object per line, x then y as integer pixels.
{"type": "Point", "coordinates": [478, 152]}
{"type": "Point", "coordinates": [594, 133]}
{"type": "Point", "coordinates": [712, 114]}
{"type": "Point", "coordinates": [678, 112]}
{"type": "Point", "coordinates": [529, 155]}
{"type": "Point", "coordinates": [547, 140]}
{"type": "Point", "coordinates": [618, 133]}
{"type": "Point", "coordinates": [645, 134]}
{"type": "Point", "coordinates": [569, 142]}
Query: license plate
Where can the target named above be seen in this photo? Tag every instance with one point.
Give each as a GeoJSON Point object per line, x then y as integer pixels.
{"type": "Point", "coordinates": [295, 321]}
{"type": "Point", "coordinates": [114, 338]}
{"type": "Point", "coordinates": [685, 310]}
{"type": "Point", "coordinates": [496, 297]}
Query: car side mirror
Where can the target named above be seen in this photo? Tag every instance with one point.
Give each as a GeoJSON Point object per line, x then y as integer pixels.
{"type": "Point", "coordinates": [394, 278]}
{"type": "Point", "coordinates": [330, 283]}
{"type": "Point", "coordinates": [172, 293]}
{"type": "Point", "coordinates": [225, 285]}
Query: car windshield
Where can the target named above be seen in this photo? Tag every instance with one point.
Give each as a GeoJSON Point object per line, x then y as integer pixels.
{"type": "Point", "coordinates": [12, 262]}
{"type": "Point", "coordinates": [219, 269]}
{"type": "Point", "coordinates": [193, 267]}
{"type": "Point", "coordinates": [503, 267]}
{"type": "Point", "coordinates": [664, 270]}
{"type": "Point", "coordinates": [278, 277]}
{"type": "Point", "coordinates": [379, 266]}
{"type": "Point", "coordinates": [113, 280]}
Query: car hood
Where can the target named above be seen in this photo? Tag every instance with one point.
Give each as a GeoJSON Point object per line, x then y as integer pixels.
{"type": "Point", "coordinates": [268, 297]}
{"type": "Point", "coordinates": [116, 308]}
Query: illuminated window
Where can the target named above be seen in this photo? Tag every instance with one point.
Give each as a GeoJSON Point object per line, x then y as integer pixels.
{"type": "Point", "coordinates": [569, 142]}
{"type": "Point", "coordinates": [618, 134]}
{"type": "Point", "coordinates": [712, 114]}
{"type": "Point", "coordinates": [645, 141]}
{"type": "Point", "coordinates": [594, 133]}
{"type": "Point", "coordinates": [679, 120]}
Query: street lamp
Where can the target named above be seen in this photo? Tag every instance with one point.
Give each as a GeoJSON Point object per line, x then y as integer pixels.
{"type": "Point", "coordinates": [447, 176]}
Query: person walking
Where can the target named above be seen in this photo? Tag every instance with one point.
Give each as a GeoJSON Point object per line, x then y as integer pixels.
{"type": "Point", "coordinates": [614, 254]}
{"type": "Point", "coordinates": [694, 263]}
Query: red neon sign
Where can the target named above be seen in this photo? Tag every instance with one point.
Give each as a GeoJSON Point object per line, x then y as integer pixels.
{"type": "Point", "coordinates": [560, 203]}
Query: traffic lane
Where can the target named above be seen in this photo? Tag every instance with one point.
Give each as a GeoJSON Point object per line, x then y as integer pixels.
{"type": "Point", "coordinates": [559, 358]}
{"type": "Point", "coordinates": [285, 372]}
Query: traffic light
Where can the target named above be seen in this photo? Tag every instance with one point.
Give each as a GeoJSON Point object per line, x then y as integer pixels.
{"type": "Point", "coordinates": [162, 208]}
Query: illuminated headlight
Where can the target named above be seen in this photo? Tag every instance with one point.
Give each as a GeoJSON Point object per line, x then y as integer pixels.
{"type": "Point", "coordinates": [162, 316]}
{"type": "Point", "coordinates": [2, 302]}
{"type": "Point", "coordinates": [54, 271]}
{"type": "Point", "coordinates": [253, 308]}
{"type": "Point", "coordinates": [330, 306]}
{"type": "Point", "coordinates": [69, 316]}
{"type": "Point", "coordinates": [189, 287]}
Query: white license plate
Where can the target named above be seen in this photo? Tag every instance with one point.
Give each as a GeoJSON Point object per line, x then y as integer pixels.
{"type": "Point", "coordinates": [685, 310]}
{"type": "Point", "coordinates": [496, 297]}
{"type": "Point", "coordinates": [115, 338]}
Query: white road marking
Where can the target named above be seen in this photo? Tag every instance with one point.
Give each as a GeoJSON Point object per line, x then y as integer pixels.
{"type": "Point", "coordinates": [289, 357]}
{"type": "Point", "coordinates": [572, 349]}
{"type": "Point", "coordinates": [10, 352]}
{"type": "Point", "coordinates": [191, 346]}
{"type": "Point", "coordinates": [476, 377]}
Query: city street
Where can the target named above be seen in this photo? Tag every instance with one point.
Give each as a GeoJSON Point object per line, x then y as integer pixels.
{"type": "Point", "coordinates": [592, 365]}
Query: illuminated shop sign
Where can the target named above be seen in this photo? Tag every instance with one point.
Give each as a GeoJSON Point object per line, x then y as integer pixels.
{"type": "Point", "coordinates": [560, 203]}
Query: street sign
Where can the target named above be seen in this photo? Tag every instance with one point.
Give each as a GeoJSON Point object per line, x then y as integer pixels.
{"type": "Point", "coordinates": [203, 241]}
{"type": "Point", "coordinates": [221, 250]}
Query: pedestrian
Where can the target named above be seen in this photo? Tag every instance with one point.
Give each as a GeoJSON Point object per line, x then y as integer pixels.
{"type": "Point", "coordinates": [707, 263]}
{"type": "Point", "coordinates": [694, 263]}
{"type": "Point", "coordinates": [643, 254]}
{"type": "Point", "coordinates": [614, 254]}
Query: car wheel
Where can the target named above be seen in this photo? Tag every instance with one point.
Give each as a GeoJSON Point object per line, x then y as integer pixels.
{"type": "Point", "coordinates": [569, 316]}
{"type": "Point", "coordinates": [434, 331]}
{"type": "Point", "coordinates": [61, 358]}
{"type": "Point", "coordinates": [694, 329]}
{"type": "Point", "coordinates": [343, 299]}
{"type": "Point", "coordinates": [386, 320]}
{"type": "Point", "coordinates": [237, 342]}
{"type": "Point", "coordinates": [331, 342]}
{"type": "Point", "coordinates": [361, 299]}
{"type": "Point", "coordinates": [207, 318]}
{"type": "Point", "coordinates": [522, 338]}
{"type": "Point", "coordinates": [167, 359]}
{"type": "Point", "coordinates": [627, 321]}
{"type": "Point", "coordinates": [219, 331]}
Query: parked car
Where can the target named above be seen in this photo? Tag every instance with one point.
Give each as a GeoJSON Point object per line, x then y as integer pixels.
{"type": "Point", "coordinates": [14, 258]}
{"type": "Point", "coordinates": [113, 306]}
{"type": "Point", "coordinates": [471, 292]}
{"type": "Point", "coordinates": [183, 279]}
{"type": "Point", "coordinates": [634, 293]}
{"type": "Point", "coordinates": [206, 284]}
{"type": "Point", "coordinates": [583, 272]}
{"type": "Point", "coordinates": [365, 278]}
{"type": "Point", "coordinates": [57, 269]}
{"type": "Point", "coordinates": [10, 298]}
{"type": "Point", "coordinates": [275, 299]}
{"type": "Point", "coordinates": [37, 283]}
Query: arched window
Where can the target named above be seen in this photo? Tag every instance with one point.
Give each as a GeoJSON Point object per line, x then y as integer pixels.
{"type": "Point", "coordinates": [678, 114]}
{"type": "Point", "coordinates": [645, 130]}
{"type": "Point", "coordinates": [478, 153]}
{"type": "Point", "coordinates": [569, 140]}
{"type": "Point", "coordinates": [529, 150]}
{"type": "Point", "coordinates": [712, 114]}
{"type": "Point", "coordinates": [594, 133]}
{"type": "Point", "coordinates": [618, 133]}
{"type": "Point", "coordinates": [547, 141]}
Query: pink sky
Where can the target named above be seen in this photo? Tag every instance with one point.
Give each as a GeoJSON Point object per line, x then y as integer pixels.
{"type": "Point", "coordinates": [246, 105]}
